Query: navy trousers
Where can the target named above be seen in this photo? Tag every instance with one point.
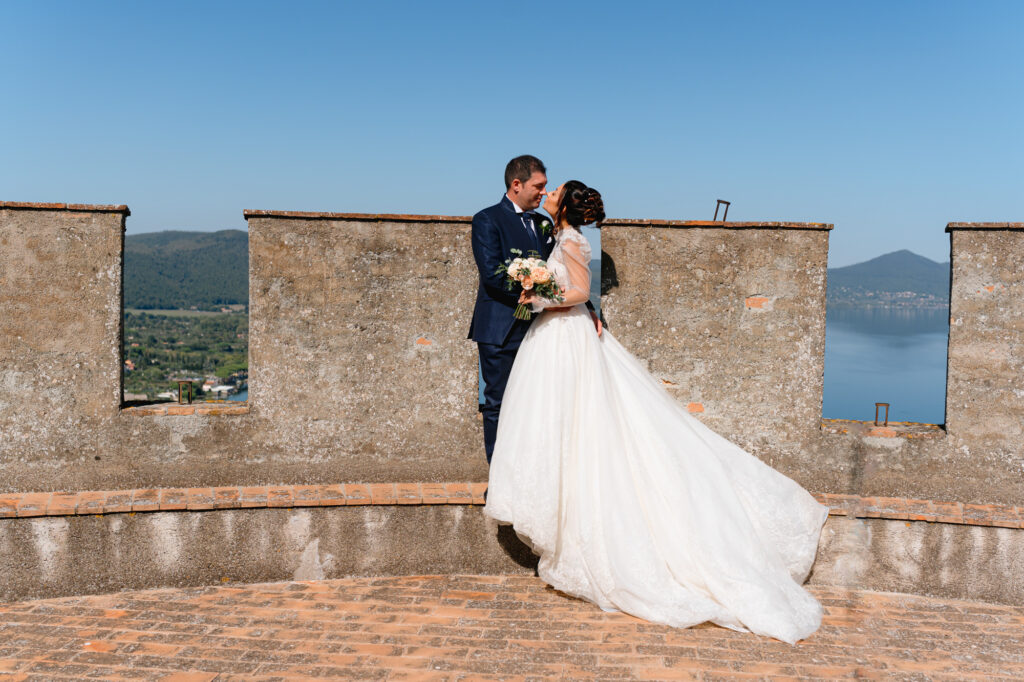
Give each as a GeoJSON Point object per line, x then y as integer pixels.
{"type": "Point", "coordinates": [495, 366]}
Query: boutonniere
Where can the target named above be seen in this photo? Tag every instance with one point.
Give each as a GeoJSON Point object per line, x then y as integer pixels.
{"type": "Point", "coordinates": [545, 226]}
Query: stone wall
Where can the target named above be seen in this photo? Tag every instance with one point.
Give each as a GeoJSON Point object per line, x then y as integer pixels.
{"type": "Point", "coordinates": [731, 316]}
{"type": "Point", "coordinates": [353, 320]}
{"type": "Point", "coordinates": [358, 344]}
{"type": "Point", "coordinates": [60, 332]}
{"type": "Point", "coordinates": [360, 370]}
{"type": "Point", "coordinates": [985, 378]}
{"type": "Point", "coordinates": [68, 555]}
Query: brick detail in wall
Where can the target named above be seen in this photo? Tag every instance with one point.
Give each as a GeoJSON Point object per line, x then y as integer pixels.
{"type": "Point", "coordinates": [23, 505]}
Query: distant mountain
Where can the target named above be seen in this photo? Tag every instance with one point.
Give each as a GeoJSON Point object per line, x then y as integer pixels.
{"type": "Point", "coordinates": [900, 278]}
{"type": "Point", "coordinates": [176, 269]}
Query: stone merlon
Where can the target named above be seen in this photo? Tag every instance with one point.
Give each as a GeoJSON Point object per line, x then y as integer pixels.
{"type": "Point", "coordinates": [360, 370]}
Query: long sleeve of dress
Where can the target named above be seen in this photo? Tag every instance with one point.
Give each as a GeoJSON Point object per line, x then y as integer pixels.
{"type": "Point", "coordinates": [571, 267]}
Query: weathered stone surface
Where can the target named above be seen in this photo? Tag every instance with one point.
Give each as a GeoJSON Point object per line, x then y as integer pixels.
{"type": "Point", "coordinates": [985, 380]}
{"type": "Point", "coordinates": [362, 326]}
{"type": "Point", "coordinates": [731, 318]}
{"type": "Point", "coordinates": [360, 370]}
{"type": "Point", "coordinates": [45, 557]}
{"type": "Point", "coordinates": [60, 333]}
{"type": "Point", "coordinates": [936, 559]}
{"type": "Point", "coordinates": [92, 554]}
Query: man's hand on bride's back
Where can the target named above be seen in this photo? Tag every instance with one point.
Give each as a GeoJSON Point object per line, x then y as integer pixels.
{"type": "Point", "coordinates": [597, 323]}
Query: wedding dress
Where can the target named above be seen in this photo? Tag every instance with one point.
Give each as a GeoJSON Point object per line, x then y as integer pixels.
{"type": "Point", "coordinates": [631, 502]}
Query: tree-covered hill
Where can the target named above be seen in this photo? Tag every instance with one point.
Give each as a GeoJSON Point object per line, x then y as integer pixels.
{"type": "Point", "coordinates": [900, 276]}
{"type": "Point", "coordinates": [176, 269]}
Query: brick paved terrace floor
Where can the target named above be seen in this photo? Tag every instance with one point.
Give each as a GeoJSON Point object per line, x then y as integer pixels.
{"type": "Point", "coordinates": [481, 627]}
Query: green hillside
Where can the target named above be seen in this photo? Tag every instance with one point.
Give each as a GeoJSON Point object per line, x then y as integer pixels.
{"type": "Point", "coordinates": [900, 277]}
{"type": "Point", "coordinates": [175, 269]}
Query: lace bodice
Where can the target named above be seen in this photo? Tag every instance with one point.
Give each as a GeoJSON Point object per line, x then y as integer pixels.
{"type": "Point", "coordinates": [575, 236]}
{"type": "Point", "coordinates": [570, 264]}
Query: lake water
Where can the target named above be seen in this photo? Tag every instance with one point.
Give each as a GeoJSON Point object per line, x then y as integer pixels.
{"type": "Point", "coordinates": [886, 356]}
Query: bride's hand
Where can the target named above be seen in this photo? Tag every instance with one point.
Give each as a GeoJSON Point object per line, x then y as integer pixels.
{"type": "Point", "coordinates": [527, 297]}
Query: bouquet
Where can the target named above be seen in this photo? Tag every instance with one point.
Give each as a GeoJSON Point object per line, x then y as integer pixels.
{"type": "Point", "coordinates": [529, 273]}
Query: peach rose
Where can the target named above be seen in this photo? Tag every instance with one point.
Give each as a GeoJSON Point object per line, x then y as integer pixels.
{"type": "Point", "coordinates": [541, 275]}
{"type": "Point", "coordinates": [527, 283]}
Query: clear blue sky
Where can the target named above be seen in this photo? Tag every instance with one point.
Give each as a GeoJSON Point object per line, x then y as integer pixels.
{"type": "Point", "coordinates": [888, 119]}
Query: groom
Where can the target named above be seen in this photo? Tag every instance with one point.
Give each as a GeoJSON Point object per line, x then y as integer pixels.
{"type": "Point", "coordinates": [509, 224]}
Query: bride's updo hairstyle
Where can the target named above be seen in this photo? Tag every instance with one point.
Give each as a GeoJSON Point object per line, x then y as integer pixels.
{"type": "Point", "coordinates": [580, 205]}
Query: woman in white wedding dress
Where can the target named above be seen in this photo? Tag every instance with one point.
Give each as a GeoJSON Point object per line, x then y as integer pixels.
{"type": "Point", "coordinates": [629, 501]}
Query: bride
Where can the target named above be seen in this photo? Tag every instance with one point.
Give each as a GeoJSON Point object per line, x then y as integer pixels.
{"type": "Point", "coordinates": [629, 501]}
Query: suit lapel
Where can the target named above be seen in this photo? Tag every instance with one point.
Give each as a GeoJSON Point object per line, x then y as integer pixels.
{"type": "Point", "coordinates": [517, 233]}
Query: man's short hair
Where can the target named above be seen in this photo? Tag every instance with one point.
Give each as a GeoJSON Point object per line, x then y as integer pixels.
{"type": "Point", "coordinates": [522, 168]}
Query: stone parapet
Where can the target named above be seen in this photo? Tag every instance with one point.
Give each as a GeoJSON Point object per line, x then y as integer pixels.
{"type": "Point", "coordinates": [60, 331]}
{"type": "Point", "coordinates": [357, 217]}
{"type": "Point", "coordinates": [722, 224]}
{"type": "Point", "coordinates": [359, 365]}
{"type": "Point", "coordinates": [86, 503]}
{"type": "Point", "coordinates": [985, 376]}
{"type": "Point", "coordinates": [951, 227]}
{"type": "Point", "coordinates": [730, 316]}
{"type": "Point", "coordinates": [362, 322]}
{"type": "Point", "coordinates": [269, 536]}
{"type": "Point", "coordinates": [80, 208]}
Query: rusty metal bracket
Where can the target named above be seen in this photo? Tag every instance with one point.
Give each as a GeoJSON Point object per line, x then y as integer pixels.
{"type": "Point", "coordinates": [726, 213]}
{"type": "Point", "coordinates": [181, 385]}
{"type": "Point", "coordinates": [886, 406]}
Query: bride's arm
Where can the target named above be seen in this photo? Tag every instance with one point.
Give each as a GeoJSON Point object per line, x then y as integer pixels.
{"type": "Point", "coordinates": [576, 290]}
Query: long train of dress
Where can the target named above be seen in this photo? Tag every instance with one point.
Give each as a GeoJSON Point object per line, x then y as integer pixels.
{"type": "Point", "coordinates": [634, 504]}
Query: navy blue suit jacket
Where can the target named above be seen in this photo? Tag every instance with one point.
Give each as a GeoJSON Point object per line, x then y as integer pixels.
{"type": "Point", "coordinates": [496, 231]}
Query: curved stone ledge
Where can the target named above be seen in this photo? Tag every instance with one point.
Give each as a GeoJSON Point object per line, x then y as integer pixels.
{"type": "Point", "coordinates": [75, 555]}
{"type": "Point", "coordinates": [87, 503]}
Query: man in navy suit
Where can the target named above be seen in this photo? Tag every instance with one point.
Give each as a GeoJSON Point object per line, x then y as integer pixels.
{"type": "Point", "coordinates": [509, 224]}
